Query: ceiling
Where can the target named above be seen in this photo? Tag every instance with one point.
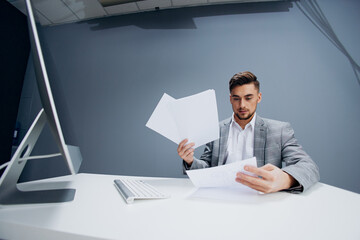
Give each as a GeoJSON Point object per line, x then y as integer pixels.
{"type": "Point", "coordinates": [54, 12]}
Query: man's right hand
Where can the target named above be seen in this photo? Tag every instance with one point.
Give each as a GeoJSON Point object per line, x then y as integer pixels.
{"type": "Point", "coordinates": [186, 152]}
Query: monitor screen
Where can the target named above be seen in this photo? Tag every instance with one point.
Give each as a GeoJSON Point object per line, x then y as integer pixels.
{"type": "Point", "coordinates": [9, 192]}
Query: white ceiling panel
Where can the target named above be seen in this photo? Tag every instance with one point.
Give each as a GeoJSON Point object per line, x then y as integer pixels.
{"type": "Point", "coordinates": [19, 4]}
{"type": "Point", "coordinates": [55, 10]}
{"type": "Point", "coordinates": [224, 1]}
{"type": "Point", "coordinates": [122, 9]}
{"type": "Point", "coordinates": [234, 1]}
{"type": "Point", "coordinates": [85, 9]}
{"type": "Point", "coordinates": [152, 4]}
{"type": "Point", "coordinates": [183, 3]}
{"type": "Point", "coordinates": [42, 19]}
{"type": "Point", "coordinates": [51, 12]}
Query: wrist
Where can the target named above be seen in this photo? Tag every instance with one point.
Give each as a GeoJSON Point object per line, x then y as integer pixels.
{"type": "Point", "coordinates": [290, 181]}
{"type": "Point", "coordinates": [189, 162]}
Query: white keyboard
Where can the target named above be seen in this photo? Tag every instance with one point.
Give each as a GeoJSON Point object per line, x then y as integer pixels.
{"type": "Point", "coordinates": [132, 189]}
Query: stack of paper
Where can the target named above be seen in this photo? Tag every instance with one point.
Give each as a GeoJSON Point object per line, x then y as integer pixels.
{"type": "Point", "coordinates": [194, 117]}
{"type": "Point", "coordinates": [220, 176]}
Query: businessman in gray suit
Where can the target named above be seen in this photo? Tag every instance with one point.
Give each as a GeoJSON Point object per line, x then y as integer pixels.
{"type": "Point", "coordinates": [245, 135]}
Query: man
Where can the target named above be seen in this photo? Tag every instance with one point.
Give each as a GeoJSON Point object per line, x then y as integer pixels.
{"type": "Point", "coordinates": [245, 135]}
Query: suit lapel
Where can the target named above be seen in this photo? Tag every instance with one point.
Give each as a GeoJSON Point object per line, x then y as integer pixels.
{"type": "Point", "coordinates": [224, 134]}
{"type": "Point", "coordinates": [259, 141]}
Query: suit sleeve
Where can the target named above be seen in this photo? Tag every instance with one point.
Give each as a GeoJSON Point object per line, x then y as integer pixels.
{"type": "Point", "coordinates": [298, 163]}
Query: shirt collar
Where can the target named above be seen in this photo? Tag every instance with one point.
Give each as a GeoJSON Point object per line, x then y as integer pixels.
{"type": "Point", "coordinates": [250, 124]}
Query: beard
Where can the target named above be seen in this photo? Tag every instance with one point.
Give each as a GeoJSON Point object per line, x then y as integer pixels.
{"type": "Point", "coordinates": [244, 117]}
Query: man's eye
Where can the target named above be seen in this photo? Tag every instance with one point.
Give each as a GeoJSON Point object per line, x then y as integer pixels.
{"type": "Point", "coordinates": [236, 99]}
{"type": "Point", "coordinates": [248, 99]}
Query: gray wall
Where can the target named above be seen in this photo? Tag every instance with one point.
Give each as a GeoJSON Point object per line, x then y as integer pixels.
{"type": "Point", "coordinates": [108, 75]}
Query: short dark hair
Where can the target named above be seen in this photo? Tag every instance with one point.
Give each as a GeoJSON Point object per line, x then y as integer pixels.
{"type": "Point", "coordinates": [242, 78]}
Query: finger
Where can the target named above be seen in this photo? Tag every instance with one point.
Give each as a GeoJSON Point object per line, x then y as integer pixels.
{"type": "Point", "coordinates": [189, 156]}
{"type": "Point", "coordinates": [251, 185]}
{"type": "Point", "coordinates": [181, 144]}
{"type": "Point", "coordinates": [186, 148]}
{"type": "Point", "coordinates": [254, 181]}
{"type": "Point", "coordinates": [188, 151]}
{"type": "Point", "coordinates": [268, 167]}
{"type": "Point", "coordinates": [259, 172]}
{"type": "Point", "coordinates": [255, 187]}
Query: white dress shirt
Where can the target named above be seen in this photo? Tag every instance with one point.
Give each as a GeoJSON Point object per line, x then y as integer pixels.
{"type": "Point", "coordinates": [240, 141]}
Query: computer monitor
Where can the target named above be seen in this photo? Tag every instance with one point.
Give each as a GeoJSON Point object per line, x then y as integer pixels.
{"type": "Point", "coordinates": [9, 191]}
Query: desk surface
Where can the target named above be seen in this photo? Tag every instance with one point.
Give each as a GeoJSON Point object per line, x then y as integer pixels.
{"type": "Point", "coordinates": [99, 212]}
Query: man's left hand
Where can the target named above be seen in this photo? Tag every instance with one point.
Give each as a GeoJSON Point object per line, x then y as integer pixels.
{"type": "Point", "coordinates": [270, 178]}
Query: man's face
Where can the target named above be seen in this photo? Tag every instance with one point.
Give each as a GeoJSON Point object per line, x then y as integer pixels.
{"type": "Point", "coordinates": [244, 100]}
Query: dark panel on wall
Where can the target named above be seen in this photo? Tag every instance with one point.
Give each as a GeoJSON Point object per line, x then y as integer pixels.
{"type": "Point", "coordinates": [14, 53]}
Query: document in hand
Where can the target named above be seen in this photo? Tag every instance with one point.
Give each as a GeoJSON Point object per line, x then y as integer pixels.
{"type": "Point", "coordinates": [221, 176]}
{"type": "Point", "coordinates": [194, 117]}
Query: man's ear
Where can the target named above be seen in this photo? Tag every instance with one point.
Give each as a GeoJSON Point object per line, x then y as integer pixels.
{"type": "Point", "coordinates": [259, 97]}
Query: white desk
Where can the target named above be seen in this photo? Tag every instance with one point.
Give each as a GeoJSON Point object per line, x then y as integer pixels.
{"type": "Point", "coordinates": [99, 212]}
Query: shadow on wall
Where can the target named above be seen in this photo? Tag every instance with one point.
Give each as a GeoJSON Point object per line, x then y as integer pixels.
{"type": "Point", "coordinates": [169, 18]}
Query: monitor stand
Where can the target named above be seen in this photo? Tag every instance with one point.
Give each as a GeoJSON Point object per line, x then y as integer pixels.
{"type": "Point", "coordinates": [9, 189]}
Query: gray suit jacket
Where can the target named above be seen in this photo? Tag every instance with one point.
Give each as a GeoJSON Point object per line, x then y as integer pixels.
{"type": "Point", "coordinates": [274, 143]}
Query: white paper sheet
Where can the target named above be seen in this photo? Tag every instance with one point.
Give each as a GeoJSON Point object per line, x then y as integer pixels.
{"type": "Point", "coordinates": [194, 117]}
{"type": "Point", "coordinates": [162, 121]}
{"type": "Point", "coordinates": [221, 176]}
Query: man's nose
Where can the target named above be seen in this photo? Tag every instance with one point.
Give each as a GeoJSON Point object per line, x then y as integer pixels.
{"type": "Point", "coordinates": [242, 104]}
